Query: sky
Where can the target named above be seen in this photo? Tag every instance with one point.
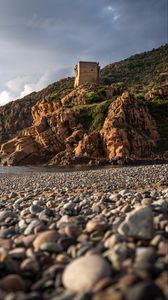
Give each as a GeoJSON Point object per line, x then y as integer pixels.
{"type": "Point", "coordinates": [42, 40]}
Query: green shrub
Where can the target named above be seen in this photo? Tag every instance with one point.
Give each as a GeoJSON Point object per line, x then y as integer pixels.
{"type": "Point", "coordinates": [91, 97]}
{"type": "Point", "coordinates": [141, 68]}
{"type": "Point", "coordinates": [93, 116]}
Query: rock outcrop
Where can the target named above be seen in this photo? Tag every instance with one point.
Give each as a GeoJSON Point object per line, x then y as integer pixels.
{"type": "Point", "coordinates": [160, 92]}
{"type": "Point", "coordinates": [21, 150]}
{"type": "Point", "coordinates": [58, 137]}
{"type": "Point", "coordinates": [18, 115]}
{"type": "Point", "coordinates": [129, 130]}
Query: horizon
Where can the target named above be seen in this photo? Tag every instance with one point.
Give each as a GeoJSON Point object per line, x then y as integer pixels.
{"type": "Point", "coordinates": [38, 47]}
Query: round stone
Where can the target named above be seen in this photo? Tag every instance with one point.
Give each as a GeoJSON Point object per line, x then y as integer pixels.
{"type": "Point", "coordinates": [96, 225]}
{"type": "Point", "coordinates": [82, 273]}
{"type": "Point", "coordinates": [72, 230]}
{"type": "Point", "coordinates": [51, 247]}
{"type": "Point", "coordinates": [31, 226]}
{"type": "Point", "coordinates": [45, 237]}
{"type": "Point", "coordinates": [30, 265]}
{"type": "Point", "coordinates": [138, 223]}
{"type": "Point", "coordinates": [112, 240]}
{"type": "Point", "coordinates": [145, 256]}
{"type": "Point", "coordinates": [18, 253]}
{"type": "Point", "coordinates": [147, 201]}
{"type": "Point", "coordinates": [35, 209]}
{"type": "Point", "coordinates": [12, 283]}
{"type": "Point", "coordinates": [6, 214]}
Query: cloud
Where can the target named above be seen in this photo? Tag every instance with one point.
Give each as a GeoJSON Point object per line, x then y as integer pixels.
{"type": "Point", "coordinates": [111, 11]}
{"type": "Point", "coordinates": [5, 97]}
{"type": "Point", "coordinates": [21, 86]}
{"type": "Point", "coordinates": [16, 84]}
{"type": "Point", "coordinates": [42, 82]}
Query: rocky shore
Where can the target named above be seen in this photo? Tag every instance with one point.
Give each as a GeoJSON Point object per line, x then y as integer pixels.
{"type": "Point", "coordinates": [87, 235]}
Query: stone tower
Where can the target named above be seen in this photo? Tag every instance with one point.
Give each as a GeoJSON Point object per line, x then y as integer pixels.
{"type": "Point", "coordinates": [86, 72]}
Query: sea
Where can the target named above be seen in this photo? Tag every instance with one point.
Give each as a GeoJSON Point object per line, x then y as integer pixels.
{"type": "Point", "coordinates": [41, 169]}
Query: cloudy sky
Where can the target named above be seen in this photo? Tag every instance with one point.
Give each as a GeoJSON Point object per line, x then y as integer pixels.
{"type": "Point", "coordinates": [41, 40]}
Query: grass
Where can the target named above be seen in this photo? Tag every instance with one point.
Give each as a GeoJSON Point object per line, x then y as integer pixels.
{"type": "Point", "coordinates": [59, 90]}
{"type": "Point", "coordinates": [96, 96]}
{"type": "Point", "coordinates": [92, 116]}
{"type": "Point", "coordinates": [141, 68]}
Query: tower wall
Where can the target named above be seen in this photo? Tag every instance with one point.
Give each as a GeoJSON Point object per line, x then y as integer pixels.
{"type": "Point", "coordinates": [86, 72]}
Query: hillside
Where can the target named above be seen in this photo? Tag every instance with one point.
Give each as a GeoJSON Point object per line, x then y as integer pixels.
{"type": "Point", "coordinates": [123, 118]}
{"type": "Point", "coordinates": [142, 70]}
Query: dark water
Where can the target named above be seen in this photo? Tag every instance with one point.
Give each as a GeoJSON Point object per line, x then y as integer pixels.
{"type": "Point", "coordinates": [43, 169]}
{"type": "Point", "coordinates": [38, 169]}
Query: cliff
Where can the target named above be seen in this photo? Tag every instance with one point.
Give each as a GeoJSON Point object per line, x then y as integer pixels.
{"type": "Point", "coordinates": [125, 117]}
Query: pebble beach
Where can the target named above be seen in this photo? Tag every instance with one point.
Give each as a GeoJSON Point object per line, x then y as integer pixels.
{"type": "Point", "coordinates": [85, 235]}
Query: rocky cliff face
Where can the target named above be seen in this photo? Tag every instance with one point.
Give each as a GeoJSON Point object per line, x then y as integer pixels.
{"type": "Point", "coordinates": [129, 130]}
{"type": "Point", "coordinates": [18, 115]}
{"type": "Point", "coordinates": [90, 124]}
{"type": "Point", "coordinates": [58, 137]}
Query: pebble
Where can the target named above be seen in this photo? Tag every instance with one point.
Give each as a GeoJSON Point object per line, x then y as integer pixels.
{"type": "Point", "coordinates": [51, 247]}
{"type": "Point", "coordinates": [96, 225]}
{"type": "Point", "coordinates": [6, 214]}
{"type": "Point", "coordinates": [117, 255]}
{"type": "Point", "coordinates": [138, 224]}
{"type": "Point", "coordinates": [144, 291]}
{"type": "Point", "coordinates": [87, 235]}
{"type": "Point", "coordinates": [113, 240]}
{"type": "Point", "coordinates": [30, 265]}
{"type": "Point", "coordinates": [3, 254]}
{"type": "Point", "coordinates": [109, 294]}
{"type": "Point", "coordinates": [33, 224]}
{"type": "Point", "coordinates": [35, 209]}
{"type": "Point", "coordinates": [6, 243]}
{"type": "Point", "coordinates": [147, 201]}
{"type": "Point", "coordinates": [12, 283]}
{"type": "Point", "coordinates": [82, 273]}
{"type": "Point", "coordinates": [18, 253]}
{"type": "Point", "coordinates": [145, 256]}
{"type": "Point", "coordinates": [44, 237]}
{"type": "Point", "coordinates": [72, 230]}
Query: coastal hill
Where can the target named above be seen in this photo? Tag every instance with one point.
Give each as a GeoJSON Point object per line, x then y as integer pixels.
{"type": "Point", "coordinates": [124, 118]}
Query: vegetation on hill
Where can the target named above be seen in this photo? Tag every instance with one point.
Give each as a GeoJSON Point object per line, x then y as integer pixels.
{"type": "Point", "coordinates": [142, 69]}
{"type": "Point", "coordinates": [59, 89]}
{"type": "Point", "coordinates": [92, 116]}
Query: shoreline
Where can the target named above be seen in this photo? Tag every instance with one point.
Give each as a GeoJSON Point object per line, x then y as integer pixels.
{"type": "Point", "coordinates": [76, 167]}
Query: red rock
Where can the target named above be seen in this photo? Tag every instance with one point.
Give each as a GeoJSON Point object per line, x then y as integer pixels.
{"type": "Point", "coordinates": [118, 141]}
